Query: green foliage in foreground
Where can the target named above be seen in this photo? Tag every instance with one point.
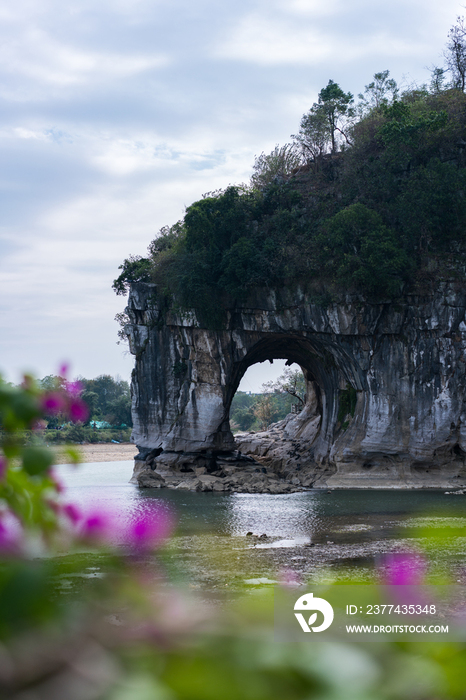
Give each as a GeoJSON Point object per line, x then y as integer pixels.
{"type": "Point", "coordinates": [386, 213]}
{"type": "Point", "coordinates": [89, 619]}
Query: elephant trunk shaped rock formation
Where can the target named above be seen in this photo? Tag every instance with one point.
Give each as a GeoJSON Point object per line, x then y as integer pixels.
{"type": "Point", "coordinates": [385, 392]}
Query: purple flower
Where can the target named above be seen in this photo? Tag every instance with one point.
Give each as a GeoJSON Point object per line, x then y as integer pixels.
{"type": "Point", "coordinates": [74, 389]}
{"type": "Point", "coordinates": [63, 371]}
{"type": "Point", "coordinates": [146, 531]}
{"type": "Point", "coordinates": [67, 402]}
{"type": "Point", "coordinates": [72, 513]}
{"type": "Point", "coordinates": [404, 573]}
{"type": "Point", "coordinates": [97, 525]}
{"type": "Point", "coordinates": [150, 528]}
{"type": "Point", "coordinates": [78, 411]}
{"type": "Point", "coordinates": [10, 534]}
{"type": "Point", "coordinates": [53, 403]}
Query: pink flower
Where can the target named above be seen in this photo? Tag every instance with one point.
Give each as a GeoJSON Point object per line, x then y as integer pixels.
{"type": "Point", "coordinates": [67, 402]}
{"type": "Point", "coordinates": [10, 534]}
{"type": "Point", "coordinates": [63, 371]}
{"type": "Point", "coordinates": [146, 530]}
{"type": "Point", "coordinates": [74, 389]}
{"type": "Point", "coordinates": [95, 526]}
{"type": "Point", "coordinates": [54, 402]}
{"type": "Point", "coordinates": [72, 513]}
{"type": "Point", "coordinates": [78, 411]}
{"type": "Point", "coordinates": [151, 527]}
{"type": "Point", "coordinates": [404, 574]}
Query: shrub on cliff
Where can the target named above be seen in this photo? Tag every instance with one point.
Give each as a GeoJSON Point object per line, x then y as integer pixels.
{"type": "Point", "coordinates": [133, 269]}
{"type": "Point", "coordinates": [355, 248]}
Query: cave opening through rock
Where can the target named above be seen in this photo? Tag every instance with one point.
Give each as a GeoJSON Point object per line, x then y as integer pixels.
{"type": "Point", "coordinates": [296, 353]}
{"type": "Point", "coordinates": [267, 393]}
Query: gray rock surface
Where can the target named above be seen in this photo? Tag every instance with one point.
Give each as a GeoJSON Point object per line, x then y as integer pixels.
{"type": "Point", "coordinates": [403, 364]}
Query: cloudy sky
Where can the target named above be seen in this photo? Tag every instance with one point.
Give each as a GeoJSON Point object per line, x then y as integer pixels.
{"type": "Point", "coordinates": [116, 115]}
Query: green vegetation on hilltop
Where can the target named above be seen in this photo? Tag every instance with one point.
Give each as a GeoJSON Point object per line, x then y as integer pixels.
{"type": "Point", "coordinates": [368, 198]}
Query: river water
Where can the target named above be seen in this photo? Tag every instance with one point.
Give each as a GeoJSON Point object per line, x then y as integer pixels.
{"type": "Point", "coordinates": [343, 534]}
{"type": "Point", "coordinates": [313, 516]}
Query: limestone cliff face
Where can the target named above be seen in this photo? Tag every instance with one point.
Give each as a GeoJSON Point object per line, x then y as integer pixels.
{"type": "Point", "coordinates": [399, 367]}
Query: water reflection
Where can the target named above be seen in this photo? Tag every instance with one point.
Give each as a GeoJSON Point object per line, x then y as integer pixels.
{"type": "Point", "coordinates": [285, 515]}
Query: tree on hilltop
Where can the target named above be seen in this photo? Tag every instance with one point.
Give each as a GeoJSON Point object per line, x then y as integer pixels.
{"type": "Point", "coordinates": [326, 119]}
{"type": "Point", "coordinates": [383, 90]}
{"type": "Point", "coordinates": [336, 105]}
{"type": "Point", "coordinates": [313, 135]}
{"type": "Point", "coordinates": [455, 54]}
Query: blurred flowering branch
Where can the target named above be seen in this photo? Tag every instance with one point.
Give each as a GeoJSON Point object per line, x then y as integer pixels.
{"type": "Point", "coordinates": [123, 634]}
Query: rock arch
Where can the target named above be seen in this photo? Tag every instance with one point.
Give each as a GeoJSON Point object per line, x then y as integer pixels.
{"type": "Point", "coordinates": [403, 365]}
{"type": "Point", "coordinates": [328, 370]}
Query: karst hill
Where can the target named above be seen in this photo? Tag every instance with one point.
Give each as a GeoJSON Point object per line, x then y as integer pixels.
{"type": "Point", "coordinates": [346, 255]}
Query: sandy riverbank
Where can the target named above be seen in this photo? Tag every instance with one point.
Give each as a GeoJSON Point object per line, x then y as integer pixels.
{"type": "Point", "coordinates": [101, 452]}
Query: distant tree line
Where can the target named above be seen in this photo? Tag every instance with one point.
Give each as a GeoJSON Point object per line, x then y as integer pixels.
{"type": "Point", "coordinates": [256, 412]}
{"type": "Point", "coordinates": [108, 400]}
{"type": "Point", "coordinates": [369, 197]}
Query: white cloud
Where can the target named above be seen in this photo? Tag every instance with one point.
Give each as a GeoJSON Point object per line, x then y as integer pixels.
{"type": "Point", "coordinates": [30, 134]}
{"type": "Point", "coordinates": [282, 40]}
{"type": "Point", "coordinates": [38, 56]}
{"type": "Point", "coordinates": [314, 8]}
{"type": "Point", "coordinates": [126, 156]}
{"type": "Point", "coordinates": [274, 41]}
